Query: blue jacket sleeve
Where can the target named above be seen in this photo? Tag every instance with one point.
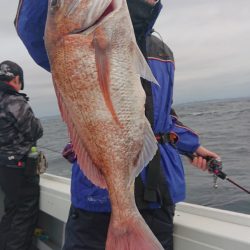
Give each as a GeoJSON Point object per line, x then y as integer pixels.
{"type": "Point", "coordinates": [30, 25]}
{"type": "Point", "coordinates": [188, 140]}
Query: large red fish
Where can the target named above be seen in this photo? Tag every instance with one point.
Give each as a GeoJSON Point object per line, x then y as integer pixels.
{"type": "Point", "coordinates": [96, 67]}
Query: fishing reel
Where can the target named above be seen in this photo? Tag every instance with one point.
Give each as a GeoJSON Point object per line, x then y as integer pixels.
{"type": "Point", "coordinates": [215, 168]}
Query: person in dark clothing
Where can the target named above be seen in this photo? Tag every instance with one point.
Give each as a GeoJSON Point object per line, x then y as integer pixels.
{"type": "Point", "coordinates": [160, 185]}
{"type": "Point", "coordinates": [19, 131]}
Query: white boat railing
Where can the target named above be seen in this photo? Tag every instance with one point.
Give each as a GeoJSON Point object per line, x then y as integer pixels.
{"type": "Point", "coordinates": [203, 228]}
{"type": "Point", "coordinates": [196, 227]}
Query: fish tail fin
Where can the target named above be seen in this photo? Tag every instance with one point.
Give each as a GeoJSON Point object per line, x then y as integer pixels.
{"type": "Point", "coordinates": [141, 64]}
{"type": "Point", "coordinates": [133, 235]}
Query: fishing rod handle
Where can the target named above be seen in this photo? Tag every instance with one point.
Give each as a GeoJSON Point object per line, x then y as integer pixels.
{"type": "Point", "coordinates": [214, 165]}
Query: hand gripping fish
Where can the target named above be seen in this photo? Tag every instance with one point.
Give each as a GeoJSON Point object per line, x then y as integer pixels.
{"type": "Point", "coordinates": [96, 67]}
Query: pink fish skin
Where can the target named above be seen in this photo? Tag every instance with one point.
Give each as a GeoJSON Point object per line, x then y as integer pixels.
{"type": "Point", "coordinates": [96, 67]}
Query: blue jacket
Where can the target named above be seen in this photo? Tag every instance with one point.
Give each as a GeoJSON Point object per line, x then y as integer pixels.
{"type": "Point", "coordinates": [84, 194]}
{"type": "Point", "coordinates": [87, 196]}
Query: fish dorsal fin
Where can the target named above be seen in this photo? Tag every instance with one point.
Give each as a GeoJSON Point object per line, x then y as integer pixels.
{"type": "Point", "coordinates": [147, 153]}
{"type": "Point", "coordinates": [83, 159]}
{"type": "Point", "coordinates": [141, 65]}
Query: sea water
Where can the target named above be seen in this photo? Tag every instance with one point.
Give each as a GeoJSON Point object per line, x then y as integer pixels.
{"type": "Point", "coordinates": [223, 127]}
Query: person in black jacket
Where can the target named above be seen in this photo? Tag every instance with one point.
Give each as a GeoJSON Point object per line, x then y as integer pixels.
{"type": "Point", "coordinates": [19, 131]}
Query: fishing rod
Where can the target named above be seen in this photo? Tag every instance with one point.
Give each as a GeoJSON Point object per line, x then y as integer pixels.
{"type": "Point", "coordinates": [215, 167]}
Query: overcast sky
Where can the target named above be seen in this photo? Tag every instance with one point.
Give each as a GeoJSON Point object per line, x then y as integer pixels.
{"type": "Point", "coordinates": [210, 40]}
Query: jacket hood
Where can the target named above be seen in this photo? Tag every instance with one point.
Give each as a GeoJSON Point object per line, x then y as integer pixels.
{"type": "Point", "coordinates": [5, 88]}
{"type": "Point", "coordinates": [143, 16]}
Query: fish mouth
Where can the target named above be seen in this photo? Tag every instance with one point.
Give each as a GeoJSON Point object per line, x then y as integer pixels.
{"type": "Point", "coordinates": [105, 13]}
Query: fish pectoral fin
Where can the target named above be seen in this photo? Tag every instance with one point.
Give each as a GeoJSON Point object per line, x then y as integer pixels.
{"type": "Point", "coordinates": [101, 47]}
{"type": "Point", "coordinates": [147, 153]}
{"type": "Point", "coordinates": [141, 65]}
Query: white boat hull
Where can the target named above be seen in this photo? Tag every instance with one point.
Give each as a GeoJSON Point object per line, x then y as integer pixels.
{"type": "Point", "coordinates": [196, 227]}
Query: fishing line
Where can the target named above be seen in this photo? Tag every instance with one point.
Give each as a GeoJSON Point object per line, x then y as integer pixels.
{"type": "Point", "coordinates": [52, 150]}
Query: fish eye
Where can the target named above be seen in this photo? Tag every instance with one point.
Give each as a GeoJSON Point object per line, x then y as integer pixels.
{"type": "Point", "coordinates": [54, 3]}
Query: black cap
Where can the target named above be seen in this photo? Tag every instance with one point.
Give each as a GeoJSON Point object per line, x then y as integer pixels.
{"type": "Point", "coordinates": [9, 69]}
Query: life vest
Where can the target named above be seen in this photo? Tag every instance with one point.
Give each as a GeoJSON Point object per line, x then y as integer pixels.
{"type": "Point", "coordinates": [155, 189]}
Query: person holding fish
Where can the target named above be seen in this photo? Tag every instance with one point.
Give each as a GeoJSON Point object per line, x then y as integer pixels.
{"type": "Point", "coordinates": [116, 128]}
{"type": "Point", "coordinates": [161, 184]}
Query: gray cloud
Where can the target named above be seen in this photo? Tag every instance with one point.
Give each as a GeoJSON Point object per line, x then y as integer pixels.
{"type": "Point", "coordinates": [209, 39]}
{"type": "Point", "coordinates": [210, 42]}
{"type": "Point", "coordinates": [38, 84]}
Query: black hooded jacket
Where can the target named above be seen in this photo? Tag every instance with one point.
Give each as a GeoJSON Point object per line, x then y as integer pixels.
{"type": "Point", "coordinates": [143, 17]}
{"type": "Point", "coordinates": [19, 128]}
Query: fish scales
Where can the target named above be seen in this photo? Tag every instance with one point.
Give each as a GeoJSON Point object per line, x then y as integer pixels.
{"type": "Point", "coordinates": [94, 64]}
